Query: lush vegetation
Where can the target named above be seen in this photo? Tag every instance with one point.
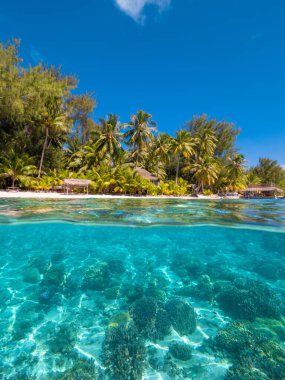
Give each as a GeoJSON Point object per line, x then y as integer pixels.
{"type": "Point", "coordinates": [47, 134]}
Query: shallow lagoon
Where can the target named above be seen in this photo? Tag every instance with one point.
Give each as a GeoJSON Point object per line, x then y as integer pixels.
{"type": "Point", "coordinates": [94, 294]}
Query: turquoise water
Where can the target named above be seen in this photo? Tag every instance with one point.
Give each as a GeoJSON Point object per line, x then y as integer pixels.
{"type": "Point", "coordinates": [142, 289]}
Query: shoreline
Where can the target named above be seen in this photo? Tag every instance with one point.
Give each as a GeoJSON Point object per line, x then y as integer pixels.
{"type": "Point", "coordinates": [53, 195]}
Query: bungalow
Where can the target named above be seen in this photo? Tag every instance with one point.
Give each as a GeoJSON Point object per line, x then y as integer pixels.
{"type": "Point", "coordinates": [147, 175]}
{"type": "Point", "coordinates": [261, 191]}
{"type": "Point", "coordinates": [69, 184]}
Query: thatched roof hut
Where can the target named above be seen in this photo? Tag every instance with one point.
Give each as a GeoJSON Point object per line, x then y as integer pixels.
{"type": "Point", "coordinates": [261, 191]}
{"type": "Point", "coordinates": [75, 183]}
{"type": "Point", "coordinates": [147, 175]}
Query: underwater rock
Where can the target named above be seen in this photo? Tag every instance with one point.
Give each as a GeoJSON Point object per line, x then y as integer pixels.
{"type": "Point", "coordinates": [132, 292]}
{"type": "Point", "coordinates": [31, 275]}
{"type": "Point", "coordinates": [97, 277]}
{"type": "Point", "coordinates": [116, 266]}
{"type": "Point", "coordinates": [204, 288]}
{"type": "Point", "coordinates": [112, 293]}
{"type": "Point", "coordinates": [39, 262]}
{"type": "Point", "coordinates": [54, 276]}
{"type": "Point", "coordinates": [187, 266]}
{"type": "Point", "coordinates": [57, 258]}
{"type": "Point", "coordinates": [180, 350]}
{"type": "Point", "coordinates": [64, 340]}
{"type": "Point", "coordinates": [182, 316]}
{"type": "Point", "coordinates": [248, 299]}
{"type": "Point", "coordinates": [71, 285]}
{"type": "Point", "coordinates": [49, 296]}
{"type": "Point", "coordinates": [82, 369]}
{"type": "Point", "coordinates": [124, 353]}
{"type": "Point", "coordinates": [273, 270]}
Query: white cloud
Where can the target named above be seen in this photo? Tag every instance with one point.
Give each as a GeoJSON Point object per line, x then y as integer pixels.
{"type": "Point", "coordinates": [134, 8]}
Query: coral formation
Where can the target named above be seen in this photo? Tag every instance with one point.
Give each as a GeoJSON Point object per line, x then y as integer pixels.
{"type": "Point", "coordinates": [180, 350]}
{"type": "Point", "coordinates": [124, 353]}
{"type": "Point", "coordinates": [97, 277]}
{"type": "Point", "coordinates": [182, 316]}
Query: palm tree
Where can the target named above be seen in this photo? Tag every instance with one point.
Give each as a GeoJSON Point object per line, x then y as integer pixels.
{"type": "Point", "coordinates": [236, 169]}
{"type": "Point", "coordinates": [110, 137]}
{"type": "Point", "coordinates": [206, 142]}
{"type": "Point", "coordinates": [160, 149]}
{"type": "Point", "coordinates": [206, 170]}
{"type": "Point", "coordinates": [181, 146]}
{"type": "Point", "coordinates": [141, 130]}
{"type": "Point", "coordinates": [15, 166]}
{"type": "Point", "coordinates": [53, 119]}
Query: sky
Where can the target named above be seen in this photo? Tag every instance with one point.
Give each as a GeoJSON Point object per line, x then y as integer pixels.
{"type": "Point", "coordinates": [172, 58]}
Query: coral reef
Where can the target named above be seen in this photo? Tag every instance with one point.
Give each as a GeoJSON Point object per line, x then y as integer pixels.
{"type": "Point", "coordinates": [124, 353]}
{"type": "Point", "coordinates": [82, 369]}
{"type": "Point", "coordinates": [180, 350]}
{"type": "Point", "coordinates": [97, 277]}
{"type": "Point", "coordinates": [182, 316]}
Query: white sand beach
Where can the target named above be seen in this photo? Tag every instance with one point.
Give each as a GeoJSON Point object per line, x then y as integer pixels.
{"type": "Point", "coordinates": [54, 195]}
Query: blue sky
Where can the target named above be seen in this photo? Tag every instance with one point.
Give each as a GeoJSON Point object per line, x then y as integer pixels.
{"type": "Point", "coordinates": [172, 58]}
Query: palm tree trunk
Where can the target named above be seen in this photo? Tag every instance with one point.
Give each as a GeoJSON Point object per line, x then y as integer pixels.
{"type": "Point", "coordinates": [13, 181]}
{"type": "Point", "coordinates": [177, 170]}
{"type": "Point", "coordinates": [43, 152]}
{"type": "Point", "coordinates": [157, 167]}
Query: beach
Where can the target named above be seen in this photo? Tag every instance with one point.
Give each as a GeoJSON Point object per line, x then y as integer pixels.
{"type": "Point", "coordinates": [51, 195]}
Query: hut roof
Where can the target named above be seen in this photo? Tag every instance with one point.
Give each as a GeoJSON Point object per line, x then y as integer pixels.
{"type": "Point", "coordinates": [255, 188]}
{"type": "Point", "coordinates": [77, 182]}
{"type": "Point", "coordinates": [147, 175]}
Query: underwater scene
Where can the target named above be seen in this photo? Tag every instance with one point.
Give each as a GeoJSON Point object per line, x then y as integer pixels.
{"type": "Point", "coordinates": [142, 289]}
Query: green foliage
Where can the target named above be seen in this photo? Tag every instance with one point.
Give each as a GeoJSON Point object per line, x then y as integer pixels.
{"type": "Point", "coordinates": [268, 171]}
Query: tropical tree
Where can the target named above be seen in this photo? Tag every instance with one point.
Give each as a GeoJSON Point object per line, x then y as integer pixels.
{"type": "Point", "coordinates": [205, 142]}
{"type": "Point", "coordinates": [140, 131]}
{"type": "Point", "coordinates": [181, 146]}
{"type": "Point", "coordinates": [236, 171]}
{"type": "Point", "coordinates": [81, 108]}
{"type": "Point", "coordinates": [161, 149]}
{"type": "Point", "coordinates": [110, 137]}
{"type": "Point", "coordinates": [54, 122]}
{"type": "Point", "coordinates": [269, 171]}
{"type": "Point", "coordinates": [17, 167]}
{"type": "Point", "coordinates": [205, 170]}
{"type": "Point", "coordinates": [225, 133]}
